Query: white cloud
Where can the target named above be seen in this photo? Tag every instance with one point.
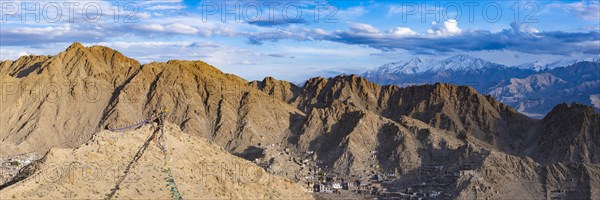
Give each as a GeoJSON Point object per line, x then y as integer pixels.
{"type": "Point", "coordinates": [329, 51]}
{"type": "Point", "coordinates": [591, 28]}
{"type": "Point", "coordinates": [595, 99]}
{"type": "Point", "coordinates": [149, 51]}
{"type": "Point", "coordinates": [448, 37]}
{"type": "Point", "coordinates": [587, 10]}
{"type": "Point", "coordinates": [403, 32]}
{"type": "Point", "coordinates": [166, 7]}
{"type": "Point", "coordinates": [362, 28]}
{"type": "Point", "coordinates": [181, 28]}
{"type": "Point", "coordinates": [145, 44]}
{"type": "Point", "coordinates": [393, 10]}
{"type": "Point", "coordinates": [448, 28]}
{"type": "Point", "coordinates": [47, 31]}
{"type": "Point", "coordinates": [8, 54]}
{"type": "Point", "coordinates": [152, 27]}
{"type": "Point", "coordinates": [143, 15]}
{"type": "Point", "coordinates": [352, 12]}
{"type": "Point", "coordinates": [178, 28]}
{"type": "Point", "coordinates": [523, 28]}
{"type": "Point", "coordinates": [319, 31]}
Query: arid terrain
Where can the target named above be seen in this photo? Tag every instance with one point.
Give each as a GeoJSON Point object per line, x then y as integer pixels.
{"type": "Point", "coordinates": [331, 135]}
{"type": "Point", "coordinates": [202, 170]}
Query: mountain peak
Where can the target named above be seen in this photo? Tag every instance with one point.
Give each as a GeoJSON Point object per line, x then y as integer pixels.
{"type": "Point", "coordinates": [549, 64]}
{"type": "Point", "coordinates": [81, 61]}
{"type": "Point", "coordinates": [96, 50]}
{"type": "Point", "coordinates": [575, 109]}
{"type": "Point", "coordinates": [462, 57]}
{"type": "Point", "coordinates": [74, 46]}
{"type": "Point", "coordinates": [269, 79]}
{"type": "Point", "coordinates": [282, 90]}
{"type": "Point", "coordinates": [568, 134]}
{"type": "Point", "coordinates": [420, 65]}
{"type": "Point", "coordinates": [417, 59]}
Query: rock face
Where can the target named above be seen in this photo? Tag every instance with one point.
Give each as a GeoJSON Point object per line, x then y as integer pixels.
{"type": "Point", "coordinates": [459, 109]}
{"type": "Point", "coordinates": [205, 102]}
{"type": "Point", "coordinates": [63, 94]}
{"type": "Point", "coordinates": [569, 134]}
{"type": "Point", "coordinates": [200, 168]}
{"type": "Point", "coordinates": [281, 90]}
{"type": "Point", "coordinates": [471, 144]}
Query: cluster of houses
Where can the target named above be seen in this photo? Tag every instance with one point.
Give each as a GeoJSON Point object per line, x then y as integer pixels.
{"type": "Point", "coordinates": [335, 184]}
{"type": "Point", "coordinates": [10, 166]}
{"type": "Point", "coordinates": [321, 181]}
{"type": "Point", "coordinates": [569, 189]}
{"type": "Point", "coordinates": [429, 181]}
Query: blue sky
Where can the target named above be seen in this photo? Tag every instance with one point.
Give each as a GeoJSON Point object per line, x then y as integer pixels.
{"type": "Point", "coordinates": [345, 37]}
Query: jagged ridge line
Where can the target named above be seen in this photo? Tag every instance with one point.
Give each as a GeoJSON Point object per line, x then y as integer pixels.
{"type": "Point", "coordinates": [81, 138]}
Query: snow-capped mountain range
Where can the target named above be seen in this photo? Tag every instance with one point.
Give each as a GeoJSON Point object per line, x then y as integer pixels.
{"type": "Point", "coordinates": [423, 64]}
{"type": "Point", "coordinates": [551, 64]}
{"type": "Point", "coordinates": [532, 88]}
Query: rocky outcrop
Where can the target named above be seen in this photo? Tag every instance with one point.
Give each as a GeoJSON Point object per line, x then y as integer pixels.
{"type": "Point", "coordinates": [344, 138]}
{"type": "Point", "coordinates": [569, 133]}
{"type": "Point", "coordinates": [511, 177]}
{"type": "Point", "coordinates": [282, 90]}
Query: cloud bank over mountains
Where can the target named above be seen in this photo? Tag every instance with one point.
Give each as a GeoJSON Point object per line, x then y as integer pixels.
{"type": "Point", "coordinates": [163, 30]}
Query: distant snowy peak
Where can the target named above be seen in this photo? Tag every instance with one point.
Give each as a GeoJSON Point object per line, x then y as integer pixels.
{"type": "Point", "coordinates": [419, 65]}
{"type": "Point", "coordinates": [412, 66]}
{"type": "Point", "coordinates": [551, 64]}
{"type": "Point", "coordinates": [464, 62]}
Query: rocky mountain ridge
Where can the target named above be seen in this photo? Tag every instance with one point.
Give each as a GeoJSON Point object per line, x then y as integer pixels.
{"type": "Point", "coordinates": [348, 124]}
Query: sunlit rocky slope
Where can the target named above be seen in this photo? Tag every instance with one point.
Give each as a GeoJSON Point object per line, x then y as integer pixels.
{"type": "Point", "coordinates": [475, 145]}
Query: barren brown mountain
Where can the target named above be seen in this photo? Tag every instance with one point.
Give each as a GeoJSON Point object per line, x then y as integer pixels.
{"type": "Point", "coordinates": [431, 138]}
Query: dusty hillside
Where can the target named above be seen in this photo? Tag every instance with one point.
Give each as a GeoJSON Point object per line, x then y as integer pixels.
{"type": "Point", "coordinates": [205, 102]}
{"type": "Point", "coordinates": [58, 99]}
{"type": "Point", "coordinates": [201, 170]}
{"type": "Point", "coordinates": [94, 88]}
